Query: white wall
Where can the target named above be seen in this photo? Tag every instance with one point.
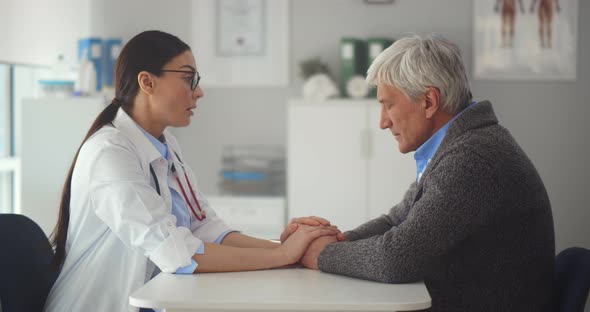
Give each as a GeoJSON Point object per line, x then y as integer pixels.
{"type": "Point", "coordinates": [125, 19]}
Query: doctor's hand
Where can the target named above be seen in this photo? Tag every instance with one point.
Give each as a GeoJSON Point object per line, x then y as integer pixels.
{"type": "Point", "coordinates": [295, 246]}
{"type": "Point", "coordinates": [310, 258]}
{"type": "Point", "coordinates": [311, 221]}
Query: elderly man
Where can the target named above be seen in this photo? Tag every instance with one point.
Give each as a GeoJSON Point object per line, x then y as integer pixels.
{"type": "Point", "coordinates": [476, 225]}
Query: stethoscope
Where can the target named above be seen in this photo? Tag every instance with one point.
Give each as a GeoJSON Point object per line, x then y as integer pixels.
{"type": "Point", "coordinates": [200, 215]}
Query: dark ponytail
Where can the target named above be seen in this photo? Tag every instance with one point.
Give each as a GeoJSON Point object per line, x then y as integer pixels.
{"type": "Point", "coordinates": [149, 51]}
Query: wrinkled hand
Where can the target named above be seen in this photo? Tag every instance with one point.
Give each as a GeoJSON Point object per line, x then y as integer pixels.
{"type": "Point", "coordinates": [295, 246]}
{"type": "Point", "coordinates": [311, 221]}
{"type": "Point", "coordinates": [310, 258]}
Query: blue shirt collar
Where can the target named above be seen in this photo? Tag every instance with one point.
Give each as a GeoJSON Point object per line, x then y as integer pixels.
{"type": "Point", "coordinates": [159, 145]}
{"type": "Point", "coordinates": [427, 150]}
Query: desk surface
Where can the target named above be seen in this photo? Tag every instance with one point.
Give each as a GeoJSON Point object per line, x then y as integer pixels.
{"type": "Point", "coordinates": [289, 289]}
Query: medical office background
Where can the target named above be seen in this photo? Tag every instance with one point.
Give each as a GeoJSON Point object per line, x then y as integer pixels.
{"type": "Point", "coordinates": [549, 118]}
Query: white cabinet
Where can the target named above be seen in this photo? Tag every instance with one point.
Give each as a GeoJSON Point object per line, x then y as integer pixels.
{"type": "Point", "coordinates": [261, 217]}
{"type": "Point", "coordinates": [52, 130]}
{"type": "Point", "coordinates": [341, 165]}
{"type": "Point", "coordinates": [36, 32]}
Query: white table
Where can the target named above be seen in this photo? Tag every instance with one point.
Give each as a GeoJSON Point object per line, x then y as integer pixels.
{"type": "Point", "coordinates": [291, 289]}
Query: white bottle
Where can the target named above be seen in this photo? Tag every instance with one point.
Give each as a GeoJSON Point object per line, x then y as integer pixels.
{"type": "Point", "coordinates": [86, 83]}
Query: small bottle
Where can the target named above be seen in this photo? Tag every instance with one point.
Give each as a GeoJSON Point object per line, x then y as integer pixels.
{"type": "Point", "coordinates": [86, 82]}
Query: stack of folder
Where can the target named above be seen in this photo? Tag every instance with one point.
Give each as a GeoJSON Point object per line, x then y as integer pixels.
{"type": "Point", "coordinates": [356, 55]}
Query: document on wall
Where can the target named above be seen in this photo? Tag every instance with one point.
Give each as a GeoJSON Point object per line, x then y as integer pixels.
{"type": "Point", "coordinates": [241, 27]}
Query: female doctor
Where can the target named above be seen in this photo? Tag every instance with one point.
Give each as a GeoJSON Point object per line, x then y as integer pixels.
{"type": "Point", "coordinates": [130, 204]}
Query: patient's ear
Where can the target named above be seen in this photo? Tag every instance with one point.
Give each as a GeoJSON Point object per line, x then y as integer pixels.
{"type": "Point", "coordinates": [431, 101]}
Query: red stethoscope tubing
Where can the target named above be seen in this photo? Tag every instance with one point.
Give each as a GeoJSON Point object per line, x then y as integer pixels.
{"type": "Point", "coordinates": [201, 215]}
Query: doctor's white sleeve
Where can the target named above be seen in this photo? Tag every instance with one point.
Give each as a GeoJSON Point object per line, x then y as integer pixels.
{"type": "Point", "coordinates": [213, 227]}
{"type": "Point", "coordinates": [125, 201]}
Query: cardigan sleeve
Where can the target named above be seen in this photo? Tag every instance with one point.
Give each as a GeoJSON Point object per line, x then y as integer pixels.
{"type": "Point", "coordinates": [385, 222]}
{"type": "Point", "coordinates": [459, 196]}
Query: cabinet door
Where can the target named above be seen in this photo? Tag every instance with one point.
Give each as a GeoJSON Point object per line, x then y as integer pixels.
{"type": "Point", "coordinates": [390, 171]}
{"type": "Point", "coordinates": [64, 21]}
{"type": "Point", "coordinates": [262, 217]}
{"type": "Point", "coordinates": [327, 174]}
{"type": "Point", "coordinates": [52, 130]}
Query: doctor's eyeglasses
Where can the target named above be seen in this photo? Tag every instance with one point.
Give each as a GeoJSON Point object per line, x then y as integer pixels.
{"type": "Point", "coordinates": [194, 79]}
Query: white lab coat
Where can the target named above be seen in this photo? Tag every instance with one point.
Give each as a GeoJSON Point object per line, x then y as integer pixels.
{"type": "Point", "coordinates": [120, 228]}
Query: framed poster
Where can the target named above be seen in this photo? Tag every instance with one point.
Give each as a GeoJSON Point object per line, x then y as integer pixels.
{"type": "Point", "coordinates": [240, 27]}
{"type": "Point", "coordinates": [234, 45]}
{"type": "Point", "coordinates": [525, 39]}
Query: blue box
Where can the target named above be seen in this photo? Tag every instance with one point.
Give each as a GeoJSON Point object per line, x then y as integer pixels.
{"type": "Point", "coordinates": [112, 48]}
{"type": "Point", "coordinates": [92, 48]}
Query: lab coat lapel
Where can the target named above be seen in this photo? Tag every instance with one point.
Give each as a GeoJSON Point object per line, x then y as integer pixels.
{"type": "Point", "coordinates": [147, 151]}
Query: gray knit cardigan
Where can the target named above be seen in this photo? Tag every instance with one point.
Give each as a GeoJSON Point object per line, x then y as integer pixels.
{"type": "Point", "coordinates": [477, 228]}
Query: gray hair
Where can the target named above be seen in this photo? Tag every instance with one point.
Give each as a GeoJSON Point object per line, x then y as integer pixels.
{"type": "Point", "coordinates": [413, 64]}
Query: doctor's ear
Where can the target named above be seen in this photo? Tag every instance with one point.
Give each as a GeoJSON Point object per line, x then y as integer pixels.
{"type": "Point", "coordinates": [146, 82]}
{"type": "Point", "coordinates": [431, 101]}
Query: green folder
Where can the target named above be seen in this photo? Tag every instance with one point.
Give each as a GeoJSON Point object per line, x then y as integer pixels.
{"type": "Point", "coordinates": [353, 60]}
{"type": "Point", "coordinates": [375, 47]}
